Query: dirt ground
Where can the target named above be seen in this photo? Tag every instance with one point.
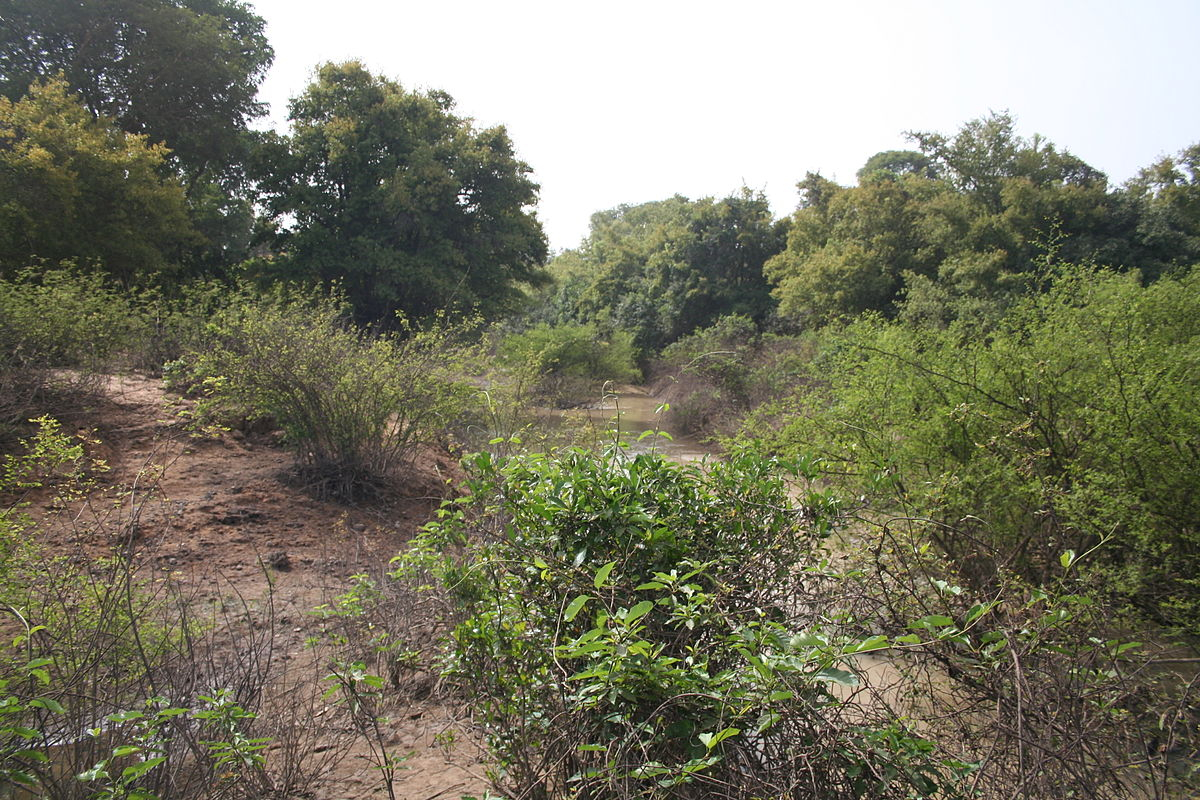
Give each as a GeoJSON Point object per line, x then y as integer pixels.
{"type": "Point", "coordinates": [220, 517]}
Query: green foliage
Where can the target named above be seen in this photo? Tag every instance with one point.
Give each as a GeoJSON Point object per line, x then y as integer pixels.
{"type": "Point", "coordinates": [717, 375]}
{"type": "Point", "coordinates": [22, 709]}
{"type": "Point", "coordinates": [627, 627]}
{"type": "Point", "coordinates": [570, 362]}
{"type": "Point", "coordinates": [354, 406]}
{"type": "Point", "coordinates": [183, 72]}
{"type": "Point", "coordinates": [1167, 196]}
{"type": "Point", "coordinates": [59, 329]}
{"type": "Point", "coordinates": [48, 457]}
{"type": "Point", "coordinates": [404, 204]}
{"type": "Point", "coordinates": [74, 186]}
{"type": "Point", "coordinates": [661, 270]}
{"type": "Point", "coordinates": [1068, 425]}
{"type": "Point", "coordinates": [972, 216]}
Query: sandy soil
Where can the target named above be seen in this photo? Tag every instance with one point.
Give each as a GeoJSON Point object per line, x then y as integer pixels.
{"type": "Point", "coordinates": [219, 516]}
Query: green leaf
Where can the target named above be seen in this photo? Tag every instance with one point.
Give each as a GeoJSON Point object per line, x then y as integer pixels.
{"type": "Point", "coordinates": [638, 611]}
{"type": "Point", "coordinates": [575, 607]}
{"type": "Point", "coordinates": [602, 574]}
{"type": "Point", "coordinates": [135, 771]}
{"type": "Point", "coordinates": [932, 621]}
{"type": "Point", "coordinates": [711, 740]}
{"type": "Point", "coordinates": [835, 675]}
{"type": "Point", "coordinates": [1067, 559]}
{"type": "Point", "coordinates": [49, 704]}
{"type": "Point", "coordinates": [879, 642]}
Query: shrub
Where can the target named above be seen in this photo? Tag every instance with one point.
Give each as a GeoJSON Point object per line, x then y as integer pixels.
{"type": "Point", "coordinates": [1072, 423]}
{"type": "Point", "coordinates": [354, 406]}
{"type": "Point", "coordinates": [630, 628]}
{"type": "Point", "coordinates": [717, 375]}
{"type": "Point", "coordinates": [59, 329]}
{"type": "Point", "coordinates": [570, 361]}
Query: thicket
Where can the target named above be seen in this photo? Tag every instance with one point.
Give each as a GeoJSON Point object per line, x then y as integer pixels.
{"type": "Point", "coordinates": [64, 328]}
{"type": "Point", "coordinates": [626, 627]}
{"type": "Point", "coordinates": [615, 640]}
{"type": "Point", "coordinates": [566, 365]}
{"type": "Point", "coordinates": [717, 375]}
{"type": "Point", "coordinates": [1068, 426]}
{"type": "Point", "coordinates": [354, 405]}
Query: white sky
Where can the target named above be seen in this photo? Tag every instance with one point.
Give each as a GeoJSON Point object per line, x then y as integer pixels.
{"type": "Point", "coordinates": [624, 102]}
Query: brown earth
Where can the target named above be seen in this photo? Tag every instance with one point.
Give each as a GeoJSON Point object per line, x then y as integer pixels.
{"type": "Point", "coordinates": [219, 517]}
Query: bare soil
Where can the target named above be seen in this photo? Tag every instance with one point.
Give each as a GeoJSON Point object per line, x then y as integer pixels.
{"type": "Point", "coordinates": [220, 516]}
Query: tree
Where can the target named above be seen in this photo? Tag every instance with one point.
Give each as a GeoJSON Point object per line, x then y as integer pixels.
{"type": "Point", "coordinates": [665, 268]}
{"type": "Point", "coordinates": [183, 72]}
{"type": "Point", "coordinates": [76, 187]}
{"type": "Point", "coordinates": [986, 151]}
{"type": "Point", "coordinates": [897, 162]}
{"type": "Point", "coordinates": [975, 213]}
{"type": "Point", "coordinates": [406, 205]}
{"type": "Point", "coordinates": [1167, 198]}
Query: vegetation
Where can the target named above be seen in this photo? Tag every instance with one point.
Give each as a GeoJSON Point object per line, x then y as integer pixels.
{"type": "Point", "coordinates": [615, 641]}
{"type": "Point", "coordinates": [957, 408]}
{"type": "Point", "coordinates": [77, 188]}
{"type": "Point", "coordinates": [1069, 425]}
{"type": "Point", "coordinates": [969, 215]}
{"type": "Point", "coordinates": [661, 270]}
{"type": "Point", "coordinates": [354, 407]}
{"type": "Point", "coordinates": [570, 362]}
{"type": "Point", "coordinates": [401, 202]}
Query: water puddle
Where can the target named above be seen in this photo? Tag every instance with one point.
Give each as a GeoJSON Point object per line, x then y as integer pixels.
{"type": "Point", "coordinates": [633, 417]}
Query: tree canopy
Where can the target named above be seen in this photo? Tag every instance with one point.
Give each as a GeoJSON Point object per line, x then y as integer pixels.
{"type": "Point", "coordinates": [663, 269]}
{"type": "Point", "coordinates": [406, 205]}
{"type": "Point", "coordinates": [183, 72]}
{"type": "Point", "coordinates": [76, 187]}
{"type": "Point", "coordinates": [970, 215]}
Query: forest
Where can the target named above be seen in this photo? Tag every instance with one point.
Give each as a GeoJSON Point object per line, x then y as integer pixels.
{"type": "Point", "coordinates": [299, 496]}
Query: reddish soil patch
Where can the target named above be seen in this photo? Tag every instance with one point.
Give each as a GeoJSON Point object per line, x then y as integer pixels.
{"type": "Point", "coordinates": [219, 516]}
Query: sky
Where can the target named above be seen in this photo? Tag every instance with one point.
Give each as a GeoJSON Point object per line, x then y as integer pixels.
{"type": "Point", "coordinates": [627, 102]}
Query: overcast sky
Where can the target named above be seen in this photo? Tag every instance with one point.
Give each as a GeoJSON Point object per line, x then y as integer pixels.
{"type": "Point", "coordinates": [624, 102]}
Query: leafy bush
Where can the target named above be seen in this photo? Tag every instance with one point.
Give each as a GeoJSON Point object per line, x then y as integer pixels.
{"type": "Point", "coordinates": [354, 406]}
{"type": "Point", "coordinates": [1071, 424]}
{"type": "Point", "coordinates": [570, 361]}
{"type": "Point", "coordinates": [717, 375]}
{"type": "Point", "coordinates": [59, 328]}
{"type": "Point", "coordinates": [1036, 687]}
{"type": "Point", "coordinates": [631, 628]}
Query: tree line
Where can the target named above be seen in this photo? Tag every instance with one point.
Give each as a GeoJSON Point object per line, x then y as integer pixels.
{"type": "Point", "coordinates": [127, 144]}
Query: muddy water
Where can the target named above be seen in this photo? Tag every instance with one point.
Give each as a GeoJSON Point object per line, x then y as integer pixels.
{"type": "Point", "coordinates": [627, 415]}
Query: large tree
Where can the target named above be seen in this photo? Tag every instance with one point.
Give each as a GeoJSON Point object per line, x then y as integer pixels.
{"type": "Point", "coordinates": [974, 213]}
{"type": "Point", "coordinates": [407, 206]}
{"type": "Point", "coordinates": [183, 72]}
{"type": "Point", "coordinates": [74, 187]}
{"type": "Point", "coordinates": [663, 269]}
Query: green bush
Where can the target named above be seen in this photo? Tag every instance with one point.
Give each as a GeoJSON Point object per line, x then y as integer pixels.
{"type": "Point", "coordinates": [1071, 423]}
{"type": "Point", "coordinates": [717, 375]}
{"type": "Point", "coordinates": [59, 329]}
{"type": "Point", "coordinates": [631, 628]}
{"type": "Point", "coordinates": [569, 362]}
{"type": "Point", "coordinates": [354, 406]}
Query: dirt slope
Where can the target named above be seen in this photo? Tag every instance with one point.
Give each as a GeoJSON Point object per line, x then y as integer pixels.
{"type": "Point", "coordinates": [219, 516]}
